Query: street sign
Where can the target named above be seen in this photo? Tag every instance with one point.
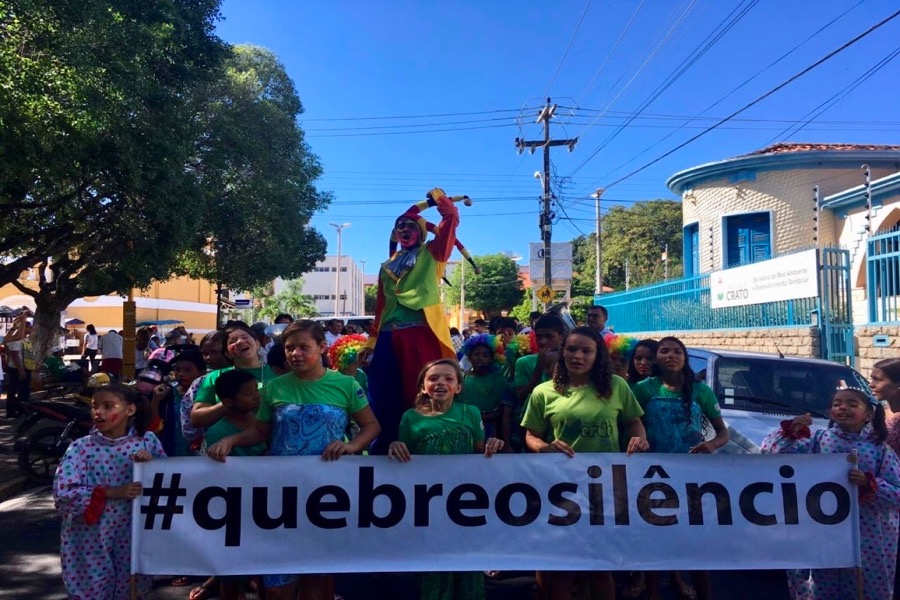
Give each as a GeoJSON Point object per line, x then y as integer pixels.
{"type": "Point", "coordinates": [545, 294]}
{"type": "Point", "coordinates": [560, 260]}
{"type": "Point", "coordinates": [242, 302]}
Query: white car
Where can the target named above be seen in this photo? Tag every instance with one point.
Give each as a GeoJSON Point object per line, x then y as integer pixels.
{"type": "Point", "coordinates": [757, 391]}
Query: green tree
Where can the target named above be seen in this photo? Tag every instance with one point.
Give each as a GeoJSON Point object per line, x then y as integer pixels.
{"type": "Point", "coordinates": [97, 131]}
{"type": "Point", "coordinates": [637, 234]}
{"type": "Point", "coordinates": [521, 311]}
{"type": "Point", "coordinates": [258, 179]}
{"type": "Point", "coordinates": [371, 298]}
{"type": "Point", "coordinates": [495, 289]}
{"type": "Point", "coordinates": [290, 300]}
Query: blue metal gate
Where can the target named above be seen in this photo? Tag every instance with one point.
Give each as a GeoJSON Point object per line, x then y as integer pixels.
{"type": "Point", "coordinates": [835, 312]}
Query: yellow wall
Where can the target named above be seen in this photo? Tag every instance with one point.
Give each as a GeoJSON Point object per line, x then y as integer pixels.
{"type": "Point", "coordinates": [184, 299]}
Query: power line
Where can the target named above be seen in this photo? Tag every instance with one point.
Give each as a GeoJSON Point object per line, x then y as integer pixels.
{"type": "Point", "coordinates": [760, 98]}
{"type": "Point", "coordinates": [718, 32]}
{"type": "Point", "coordinates": [569, 46]}
{"type": "Point", "coordinates": [811, 116]}
{"type": "Point", "coordinates": [734, 90]}
{"type": "Point", "coordinates": [430, 116]}
{"type": "Point", "coordinates": [644, 64]}
{"type": "Point", "coordinates": [611, 52]}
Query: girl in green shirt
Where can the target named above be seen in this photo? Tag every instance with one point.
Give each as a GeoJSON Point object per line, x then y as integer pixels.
{"type": "Point", "coordinates": [438, 425]}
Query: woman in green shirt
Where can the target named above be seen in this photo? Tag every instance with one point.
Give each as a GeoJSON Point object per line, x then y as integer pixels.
{"type": "Point", "coordinates": [582, 410]}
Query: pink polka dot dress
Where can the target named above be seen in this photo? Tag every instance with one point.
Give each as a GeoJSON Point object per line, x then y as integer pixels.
{"type": "Point", "coordinates": [96, 559]}
{"type": "Point", "coordinates": [879, 513]}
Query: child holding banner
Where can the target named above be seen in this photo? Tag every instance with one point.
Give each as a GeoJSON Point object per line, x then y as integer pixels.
{"type": "Point", "coordinates": [305, 413]}
{"type": "Point", "coordinates": [438, 425]}
{"type": "Point", "coordinates": [857, 425]}
{"type": "Point", "coordinates": [93, 492]}
{"type": "Point", "coordinates": [676, 412]}
{"type": "Point", "coordinates": [581, 411]}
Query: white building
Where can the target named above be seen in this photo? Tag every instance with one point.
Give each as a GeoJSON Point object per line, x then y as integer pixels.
{"type": "Point", "coordinates": [327, 286]}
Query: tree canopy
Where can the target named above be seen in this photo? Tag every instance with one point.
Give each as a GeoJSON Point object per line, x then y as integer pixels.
{"type": "Point", "coordinates": [495, 289]}
{"type": "Point", "coordinates": [290, 300]}
{"type": "Point", "coordinates": [135, 145]}
{"type": "Point", "coordinates": [637, 234]}
{"type": "Point", "coordinates": [257, 177]}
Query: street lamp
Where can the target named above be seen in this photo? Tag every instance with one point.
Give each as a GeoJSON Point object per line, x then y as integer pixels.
{"type": "Point", "coordinates": [337, 277]}
{"type": "Point", "coordinates": [362, 287]}
{"type": "Point", "coordinates": [598, 247]}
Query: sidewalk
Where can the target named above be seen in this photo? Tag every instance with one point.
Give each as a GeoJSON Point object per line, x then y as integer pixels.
{"type": "Point", "coordinates": [11, 480]}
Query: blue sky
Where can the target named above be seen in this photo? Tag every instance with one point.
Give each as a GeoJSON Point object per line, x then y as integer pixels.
{"type": "Point", "coordinates": [452, 84]}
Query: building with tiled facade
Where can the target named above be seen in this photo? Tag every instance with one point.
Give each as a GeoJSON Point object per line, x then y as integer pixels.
{"type": "Point", "coordinates": [760, 205]}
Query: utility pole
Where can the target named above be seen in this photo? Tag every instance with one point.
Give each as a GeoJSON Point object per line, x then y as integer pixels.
{"type": "Point", "coordinates": [337, 276]}
{"type": "Point", "coordinates": [598, 247]}
{"type": "Point", "coordinates": [362, 289]}
{"type": "Point", "coordinates": [546, 220]}
{"type": "Point", "coordinates": [462, 295]}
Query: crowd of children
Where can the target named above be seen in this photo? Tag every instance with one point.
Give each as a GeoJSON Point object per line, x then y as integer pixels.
{"type": "Point", "coordinates": [549, 388]}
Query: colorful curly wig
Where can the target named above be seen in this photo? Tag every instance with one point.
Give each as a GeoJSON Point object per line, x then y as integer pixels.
{"type": "Point", "coordinates": [520, 345]}
{"type": "Point", "coordinates": [619, 346]}
{"type": "Point", "coordinates": [483, 339]}
{"type": "Point", "coordinates": [345, 351]}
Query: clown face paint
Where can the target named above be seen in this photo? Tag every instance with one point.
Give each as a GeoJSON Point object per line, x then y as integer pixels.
{"type": "Point", "coordinates": [110, 414]}
{"type": "Point", "coordinates": [407, 233]}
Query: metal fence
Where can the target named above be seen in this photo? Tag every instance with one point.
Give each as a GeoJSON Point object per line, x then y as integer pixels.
{"type": "Point", "coordinates": [883, 276]}
{"type": "Point", "coordinates": [684, 305]}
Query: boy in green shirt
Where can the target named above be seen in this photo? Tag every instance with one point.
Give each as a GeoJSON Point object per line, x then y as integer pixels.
{"type": "Point", "coordinates": [239, 394]}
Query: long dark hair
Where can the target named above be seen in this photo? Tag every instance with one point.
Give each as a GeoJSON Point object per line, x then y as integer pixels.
{"type": "Point", "coordinates": [890, 367]}
{"type": "Point", "coordinates": [91, 329]}
{"type": "Point", "coordinates": [142, 416]}
{"type": "Point", "coordinates": [687, 374]}
{"type": "Point", "coordinates": [600, 375]}
{"type": "Point", "coordinates": [633, 375]}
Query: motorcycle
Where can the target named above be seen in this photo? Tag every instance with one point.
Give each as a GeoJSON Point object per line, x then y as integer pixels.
{"type": "Point", "coordinates": [50, 425]}
{"type": "Point", "coordinates": [40, 449]}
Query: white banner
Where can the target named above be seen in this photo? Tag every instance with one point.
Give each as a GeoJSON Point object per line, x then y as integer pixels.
{"type": "Point", "coordinates": [785, 278]}
{"type": "Point", "coordinates": [560, 261]}
{"type": "Point", "coordinates": [511, 512]}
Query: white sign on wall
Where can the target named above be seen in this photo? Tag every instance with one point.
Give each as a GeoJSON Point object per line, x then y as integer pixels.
{"type": "Point", "coordinates": [560, 260]}
{"type": "Point", "coordinates": [785, 278]}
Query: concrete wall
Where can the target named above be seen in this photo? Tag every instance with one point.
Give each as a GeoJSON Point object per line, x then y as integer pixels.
{"type": "Point", "coordinates": [793, 341]}
{"type": "Point", "coordinates": [867, 354]}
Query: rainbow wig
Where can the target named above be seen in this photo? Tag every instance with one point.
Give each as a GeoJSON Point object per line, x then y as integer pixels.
{"type": "Point", "coordinates": [520, 345]}
{"type": "Point", "coordinates": [345, 351]}
{"type": "Point", "coordinates": [483, 339]}
{"type": "Point", "coordinates": [619, 346]}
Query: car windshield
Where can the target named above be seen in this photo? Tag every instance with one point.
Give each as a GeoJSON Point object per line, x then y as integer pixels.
{"type": "Point", "coordinates": [777, 385]}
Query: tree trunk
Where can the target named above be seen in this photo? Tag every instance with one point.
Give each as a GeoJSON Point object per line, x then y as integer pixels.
{"type": "Point", "coordinates": [47, 329]}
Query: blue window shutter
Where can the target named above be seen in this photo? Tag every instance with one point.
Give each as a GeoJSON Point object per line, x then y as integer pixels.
{"type": "Point", "coordinates": [748, 240]}
{"type": "Point", "coordinates": [691, 247]}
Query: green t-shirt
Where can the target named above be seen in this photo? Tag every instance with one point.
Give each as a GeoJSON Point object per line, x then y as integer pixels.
{"type": "Point", "coordinates": [332, 389]}
{"type": "Point", "coordinates": [669, 426]}
{"type": "Point", "coordinates": [581, 419]}
{"type": "Point", "coordinates": [206, 393]}
{"type": "Point", "coordinates": [484, 392]}
{"type": "Point", "coordinates": [363, 380]}
{"type": "Point", "coordinates": [425, 434]}
{"type": "Point", "coordinates": [222, 429]}
{"type": "Point", "coordinates": [524, 368]}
